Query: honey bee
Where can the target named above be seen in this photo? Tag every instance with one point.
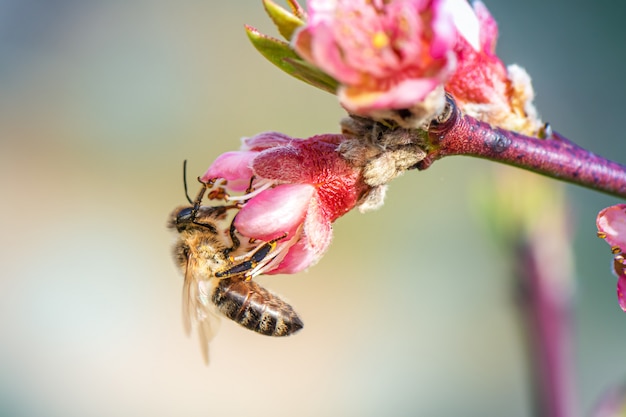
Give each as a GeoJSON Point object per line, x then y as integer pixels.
{"type": "Point", "coordinates": [219, 283]}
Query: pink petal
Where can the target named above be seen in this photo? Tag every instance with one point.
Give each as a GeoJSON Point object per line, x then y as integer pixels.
{"type": "Point", "coordinates": [488, 27]}
{"type": "Point", "coordinates": [302, 41]}
{"type": "Point", "coordinates": [611, 224]}
{"type": "Point", "coordinates": [465, 21]}
{"type": "Point", "coordinates": [315, 240]}
{"type": "Point", "coordinates": [329, 57]}
{"type": "Point", "coordinates": [233, 167]}
{"type": "Point", "coordinates": [321, 10]}
{"type": "Point", "coordinates": [402, 95]}
{"type": "Point", "coordinates": [282, 164]}
{"type": "Point", "coordinates": [317, 228]}
{"type": "Point", "coordinates": [300, 257]}
{"type": "Point", "coordinates": [621, 291]}
{"type": "Point", "coordinates": [314, 161]}
{"type": "Point", "coordinates": [275, 211]}
{"type": "Point", "coordinates": [265, 140]}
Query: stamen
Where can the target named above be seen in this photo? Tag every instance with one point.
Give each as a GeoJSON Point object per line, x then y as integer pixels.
{"type": "Point", "coordinates": [380, 40]}
{"type": "Point", "coordinates": [218, 194]}
{"type": "Point", "coordinates": [264, 186]}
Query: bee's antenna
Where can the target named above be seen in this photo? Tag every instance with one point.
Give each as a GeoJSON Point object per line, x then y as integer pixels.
{"type": "Point", "coordinates": [185, 181]}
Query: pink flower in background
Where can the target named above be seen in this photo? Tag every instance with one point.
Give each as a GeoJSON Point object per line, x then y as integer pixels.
{"type": "Point", "coordinates": [611, 224]}
{"type": "Point", "coordinates": [298, 188]}
{"type": "Point", "coordinates": [612, 403]}
{"type": "Point", "coordinates": [385, 54]}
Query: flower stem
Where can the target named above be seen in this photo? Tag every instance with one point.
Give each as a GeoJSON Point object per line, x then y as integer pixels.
{"type": "Point", "coordinates": [455, 133]}
{"type": "Point", "coordinates": [546, 307]}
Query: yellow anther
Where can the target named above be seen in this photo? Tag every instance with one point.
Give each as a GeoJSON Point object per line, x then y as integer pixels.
{"type": "Point", "coordinates": [380, 40]}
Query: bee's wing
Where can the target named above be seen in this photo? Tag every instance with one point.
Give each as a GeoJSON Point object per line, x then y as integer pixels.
{"type": "Point", "coordinates": [208, 324]}
{"type": "Point", "coordinates": [197, 307]}
{"type": "Point", "coordinates": [189, 294]}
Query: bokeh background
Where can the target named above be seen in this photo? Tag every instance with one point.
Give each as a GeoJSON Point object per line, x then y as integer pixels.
{"type": "Point", "coordinates": [410, 313]}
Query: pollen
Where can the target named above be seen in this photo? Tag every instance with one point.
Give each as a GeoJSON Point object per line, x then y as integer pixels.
{"type": "Point", "coordinates": [380, 40]}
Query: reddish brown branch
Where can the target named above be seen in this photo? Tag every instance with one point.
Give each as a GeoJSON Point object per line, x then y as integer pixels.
{"type": "Point", "coordinates": [458, 134]}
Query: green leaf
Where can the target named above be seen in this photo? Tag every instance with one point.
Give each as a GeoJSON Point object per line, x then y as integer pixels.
{"type": "Point", "coordinates": [286, 22]}
{"type": "Point", "coordinates": [275, 50]}
{"type": "Point", "coordinates": [280, 54]}
{"type": "Point", "coordinates": [313, 75]}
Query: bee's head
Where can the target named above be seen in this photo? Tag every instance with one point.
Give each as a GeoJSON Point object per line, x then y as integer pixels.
{"type": "Point", "coordinates": [181, 218]}
{"type": "Point", "coordinates": [193, 217]}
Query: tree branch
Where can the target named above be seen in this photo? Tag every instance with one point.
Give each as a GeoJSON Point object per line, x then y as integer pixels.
{"type": "Point", "coordinates": [454, 133]}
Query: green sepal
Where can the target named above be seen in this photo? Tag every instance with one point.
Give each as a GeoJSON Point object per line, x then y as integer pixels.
{"type": "Point", "coordinates": [286, 22]}
{"type": "Point", "coordinates": [280, 54]}
{"type": "Point", "coordinates": [296, 9]}
{"type": "Point", "coordinates": [313, 75]}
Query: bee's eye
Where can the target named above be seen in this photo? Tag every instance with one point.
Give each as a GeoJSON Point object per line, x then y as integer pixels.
{"type": "Point", "coordinates": [184, 216]}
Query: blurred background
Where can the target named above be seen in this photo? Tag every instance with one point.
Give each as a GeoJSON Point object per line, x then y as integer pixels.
{"type": "Point", "coordinates": [410, 312]}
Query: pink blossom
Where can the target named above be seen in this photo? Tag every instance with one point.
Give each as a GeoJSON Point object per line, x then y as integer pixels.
{"type": "Point", "coordinates": [611, 224]}
{"type": "Point", "coordinates": [385, 54]}
{"type": "Point", "coordinates": [480, 76]}
{"type": "Point", "coordinates": [295, 189]}
{"type": "Point", "coordinates": [482, 85]}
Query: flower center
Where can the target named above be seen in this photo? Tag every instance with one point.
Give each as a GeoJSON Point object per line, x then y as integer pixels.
{"type": "Point", "coordinates": [380, 40]}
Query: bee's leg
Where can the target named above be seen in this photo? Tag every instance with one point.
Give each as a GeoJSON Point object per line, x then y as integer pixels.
{"type": "Point", "coordinates": [250, 187]}
{"type": "Point", "coordinates": [252, 260]}
{"type": "Point", "coordinates": [263, 250]}
{"type": "Point", "coordinates": [266, 257]}
{"type": "Point", "coordinates": [233, 237]}
{"type": "Point", "coordinates": [238, 269]}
